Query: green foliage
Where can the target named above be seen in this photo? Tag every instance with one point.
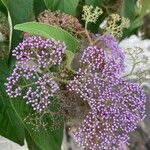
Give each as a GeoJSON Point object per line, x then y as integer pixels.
{"type": "Point", "coordinates": [43, 139]}
{"type": "Point", "coordinates": [17, 14]}
{"type": "Point", "coordinates": [145, 6]}
{"type": "Point", "coordinates": [67, 6]}
{"type": "Point", "coordinates": [10, 125]}
{"type": "Point", "coordinates": [135, 14]}
{"type": "Point", "coordinates": [19, 11]}
{"type": "Point", "coordinates": [70, 57]}
{"type": "Point", "coordinates": [30, 142]}
{"type": "Point", "coordinates": [128, 9]}
{"type": "Point", "coordinates": [2, 8]}
{"type": "Point", "coordinates": [49, 31]}
{"type": "Point", "coordinates": [93, 2]}
{"type": "Point", "coordinates": [38, 7]}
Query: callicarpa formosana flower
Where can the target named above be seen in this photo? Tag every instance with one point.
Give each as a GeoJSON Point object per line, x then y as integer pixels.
{"type": "Point", "coordinates": [100, 105]}
{"type": "Point", "coordinates": [46, 87]}
{"type": "Point", "coordinates": [43, 52]}
{"type": "Point", "coordinates": [34, 55]}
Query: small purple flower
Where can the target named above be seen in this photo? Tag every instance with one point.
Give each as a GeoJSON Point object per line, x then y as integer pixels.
{"type": "Point", "coordinates": [117, 106]}
{"type": "Point", "coordinates": [33, 55]}
{"type": "Point", "coordinates": [13, 89]}
{"type": "Point", "coordinates": [43, 52]}
{"type": "Point", "coordinates": [94, 134]}
{"type": "Point", "coordinates": [115, 111]}
{"type": "Point", "coordinates": [93, 58]}
{"type": "Point", "coordinates": [46, 88]}
{"type": "Point", "coordinates": [113, 51]}
{"type": "Point", "coordinates": [111, 71]}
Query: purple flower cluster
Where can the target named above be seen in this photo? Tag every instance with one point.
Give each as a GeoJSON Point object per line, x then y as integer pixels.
{"type": "Point", "coordinates": [43, 52]}
{"type": "Point", "coordinates": [33, 55]}
{"type": "Point", "coordinates": [113, 51]}
{"type": "Point", "coordinates": [93, 57]}
{"type": "Point", "coordinates": [13, 89]}
{"type": "Point", "coordinates": [113, 115]}
{"type": "Point", "coordinates": [95, 135]}
{"type": "Point", "coordinates": [46, 87]}
{"type": "Point", "coordinates": [117, 106]}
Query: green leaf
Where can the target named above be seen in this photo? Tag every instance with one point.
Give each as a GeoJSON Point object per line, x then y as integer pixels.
{"type": "Point", "coordinates": [50, 31]}
{"type": "Point", "coordinates": [93, 2]}
{"type": "Point", "coordinates": [145, 6]}
{"type": "Point", "coordinates": [10, 125]}
{"type": "Point", "coordinates": [2, 8]}
{"type": "Point", "coordinates": [30, 142]}
{"type": "Point", "coordinates": [128, 9]}
{"type": "Point", "coordinates": [38, 7]}
{"type": "Point", "coordinates": [70, 56]}
{"type": "Point", "coordinates": [42, 139]}
{"type": "Point", "coordinates": [52, 4]}
{"type": "Point", "coordinates": [67, 6]}
{"type": "Point", "coordinates": [136, 18]}
{"type": "Point", "coordinates": [19, 11]}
